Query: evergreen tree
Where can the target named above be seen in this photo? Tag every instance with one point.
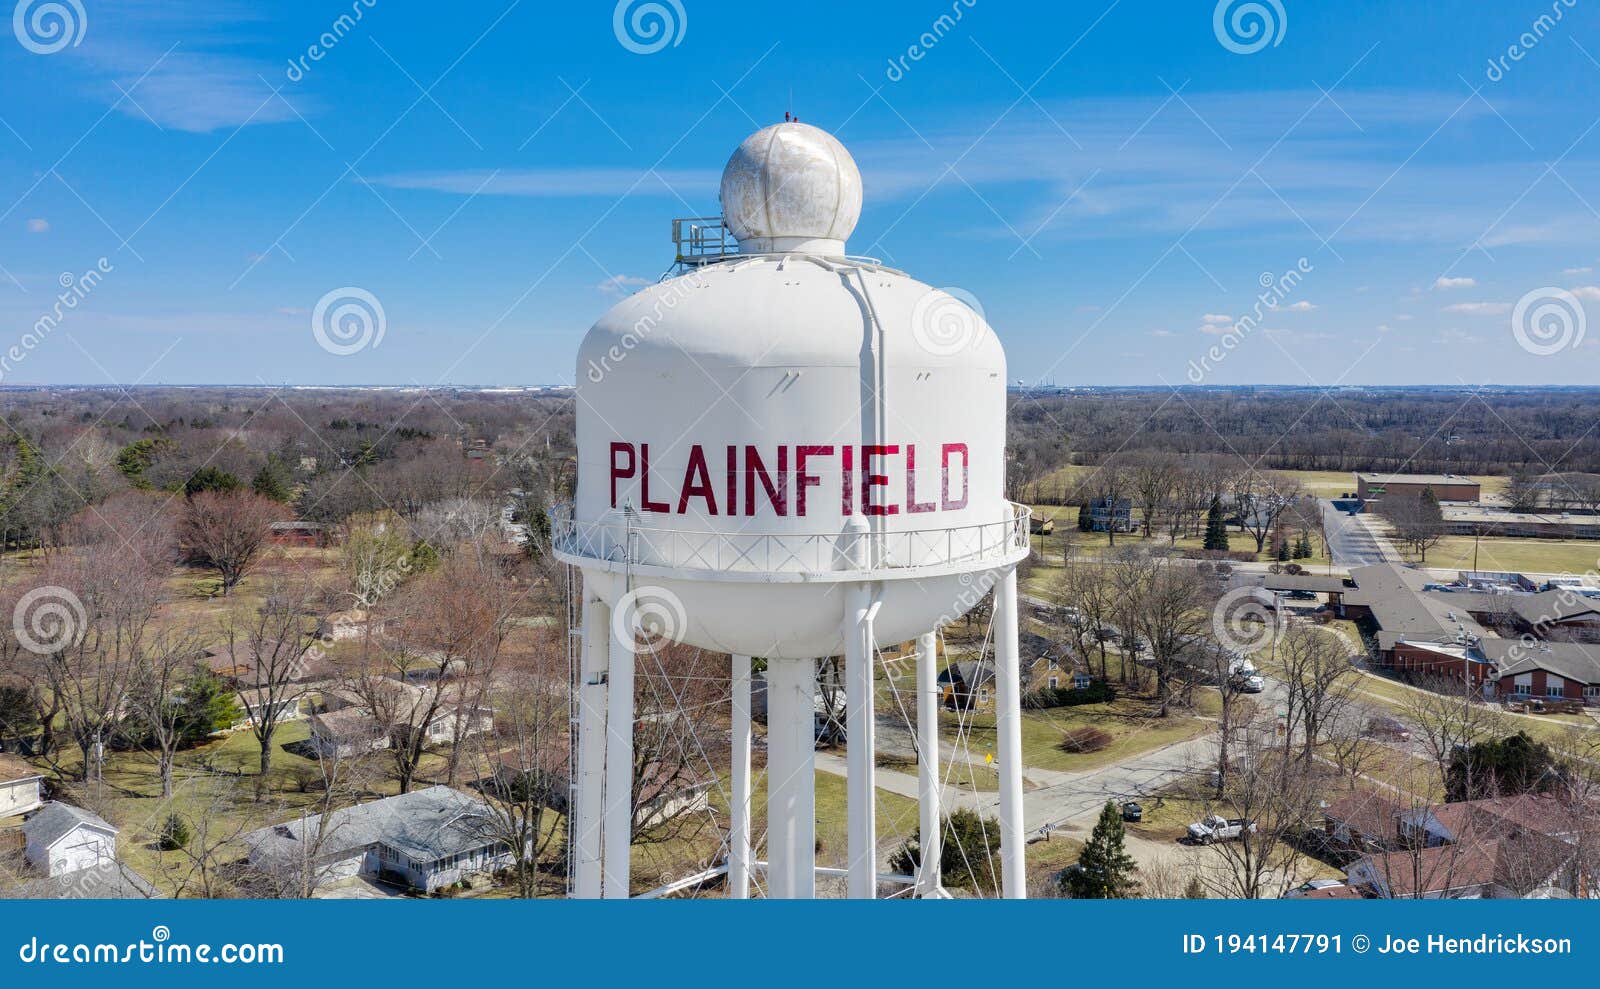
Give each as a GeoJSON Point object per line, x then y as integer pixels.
{"type": "Point", "coordinates": [1283, 551]}
{"type": "Point", "coordinates": [174, 833]}
{"type": "Point", "coordinates": [1503, 767]}
{"type": "Point", "coordinates": [1302, 546]}
{"type": "Point", "coordinates": [970, 846]}
{"type": "Point", "coordinates": [1085, 518]}
{"type": "Point", "coordinates": [1105, 869]}
{"type": "Point", "coordinates": [1216, 527]}
{"type": "Point", "coordinates": [210, 479]}
{"type": "Point", "coordinates": [1431, 512]}
{"type": "Point", "coordinates": [207, 705]}
{"type": "Point", "coordinates": [1195, 890]}
{"type": "Point", "coordinates": [272, 481]}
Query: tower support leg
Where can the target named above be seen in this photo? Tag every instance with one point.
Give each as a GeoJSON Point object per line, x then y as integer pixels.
{"type": "Point", "coordinates": [739, 809]}
{"type": "Point", "coordinates": [791, 779]}
{"type": "Point", "coordinates": [588, 807]}
{"type": "Point", "coordinates": [930, 822]}
{"type": "Point", "coordinates": [1008, 731]}
{"type": "Point", "coordinates": [860, 724]}
{"type": "Point", "coordinates": [619, 759]}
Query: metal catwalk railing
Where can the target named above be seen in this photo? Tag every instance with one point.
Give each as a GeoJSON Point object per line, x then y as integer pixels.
{"type": "Point", "coordinates": [629, 541]}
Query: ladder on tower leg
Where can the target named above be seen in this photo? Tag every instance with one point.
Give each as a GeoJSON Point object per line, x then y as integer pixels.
{"type": "Point", "coordinates": [574, 644]}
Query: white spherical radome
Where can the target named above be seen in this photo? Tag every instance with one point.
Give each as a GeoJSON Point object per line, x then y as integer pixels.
{"type": "Point", "coordinates": [791, 187]}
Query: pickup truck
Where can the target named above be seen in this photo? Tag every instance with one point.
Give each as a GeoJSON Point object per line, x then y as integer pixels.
{"type": "Point", "coordinates": [1215, 828]}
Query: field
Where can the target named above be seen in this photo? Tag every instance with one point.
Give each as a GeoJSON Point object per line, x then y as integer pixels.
{"type": "Point", "coordinates": [1571, 556]}
{"type": "Point", "coordinates": [1129, 720]}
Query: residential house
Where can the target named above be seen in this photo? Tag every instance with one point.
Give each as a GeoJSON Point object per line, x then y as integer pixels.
{"type": "Point", "coordinates": [352, 724]}
{"type": "Point", "coordinates": [106, 881]}
{"type": "Point", "coordinates": [1108, 516]}
{"type": "Point", "coordinates": [258, 703]}
{"type": "Point", "coordinates": [1521, 865]}
{"type": "Point", "coordinates": [21, 786]}
{"type": "Point", "coordinates": [61, 838]}
{"type": "Point", "coordinates": [1503, 847]}
{"type": "Point", "coordinates": [967, 684]}
{"type": "Point", "coordinates": [424, 840]}
{"type": "Point", "coordinates": [347, 732]}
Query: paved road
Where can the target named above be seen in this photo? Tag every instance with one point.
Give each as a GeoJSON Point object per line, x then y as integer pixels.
{"type": "Point", "coordinates": [1353, 540]}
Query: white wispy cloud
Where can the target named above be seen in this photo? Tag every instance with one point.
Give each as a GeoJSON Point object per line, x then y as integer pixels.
{"type": "Point", "coordinates": [1589, 292]}
{"type": "Point", "coordinates": [1577, 271]}
{"type": "Point", "coordinates": [38, 225]}
{"type": "Point", "coordinates": [1442, 284]}
{"type": "Point", "coordinates": [621, 284]}
{"type": "Point", "coordinates": [691, 184]}
{"type": "Point", "coordinates": [174, 64]}
{"type": "Point", "coordinates": [1479, 308]}
{"type": "Point", "coordinates": [1301, 306]}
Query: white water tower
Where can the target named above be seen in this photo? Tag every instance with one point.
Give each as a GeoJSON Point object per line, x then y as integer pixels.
{"type": "Point", "coordinates": [788, 453]}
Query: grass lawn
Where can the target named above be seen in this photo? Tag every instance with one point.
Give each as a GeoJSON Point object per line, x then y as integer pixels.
{"type": "Point", "coordinates": [215, 783]}
{"type": "Point", "coordinates": [1129, 720]}
{"type": "Point", "coordinates": [1520, 555]}
{"type": "Point", "coordinates": [1098, 544]}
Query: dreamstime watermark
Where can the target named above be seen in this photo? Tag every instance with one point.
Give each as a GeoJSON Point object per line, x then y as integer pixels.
{"type": "Point", "coordinates": [662, 303]}
{"type": "Point", "coordinates": [348, 320]}
{"type": "Point", "coordinates": [74, 289]}
{"type": "Point", "coordinates": [47, 27]}
{"type": "Point", "coordinates": [1245, 27]}
{"type": "Point", "coordinates": [645, 27]}
{"type": "Point", "coordinates": [929, 39]}
{"type": "Point", "coordinates": [1243, 622]}
{"type": "Point", "coordinates": [1547, 321]}
{"type": "Point", "coordinates": [650, 614]}
{"type": "Point", "coordinates": [49, 619]}
{"type": "Point", "coordinates": [1530, 39]}
{"type": "Point", "coordinates": [328, 40]}
{"type": "Point", "coordinates": [1276, 289]}
{"type": "Point", "coordinates": [948, 321]}
{"type": "Point", "coordinates": [159, 950]}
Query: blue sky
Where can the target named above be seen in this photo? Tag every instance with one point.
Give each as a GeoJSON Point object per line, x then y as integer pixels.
{"type": "Point", "coordinates": [1110, 180]}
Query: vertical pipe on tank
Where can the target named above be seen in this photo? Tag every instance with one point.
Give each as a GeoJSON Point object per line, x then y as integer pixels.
{"type": "Point", "coordinates": [861, 804]}
{"type": "Point", "coordinates": [930, 823]}
{"type": "Point", "coordinates": [590, 803]}
{"type": "Point", "coordinates": [739, 809]}
{"type": "Point", "coordinates": [1008, 729]}
{"type": "Point", "coordinates": [791, 779]}
{"type": "Point", "coordinates": [619, 756]}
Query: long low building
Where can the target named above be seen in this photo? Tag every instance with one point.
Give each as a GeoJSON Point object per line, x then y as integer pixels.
{"type": "Point", "coordinates": [1374, 486]}
{"type": "Point", "coordinates": [1500, 643]}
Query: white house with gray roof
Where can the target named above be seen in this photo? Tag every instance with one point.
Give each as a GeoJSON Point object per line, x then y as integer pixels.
{"type": "Point", "coordinates": [425, 839]}
{"type": "Point", "coordinates": [61, 839]}
{"type": "Point", "coordinates": [19, 786]}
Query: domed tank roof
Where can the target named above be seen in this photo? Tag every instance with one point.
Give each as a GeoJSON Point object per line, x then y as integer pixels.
{"type": "Point", "coordinates": [791, 187]}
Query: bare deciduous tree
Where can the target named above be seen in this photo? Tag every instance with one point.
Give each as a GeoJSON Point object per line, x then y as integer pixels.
{"type": "Point", "coordinates": [226, 531]}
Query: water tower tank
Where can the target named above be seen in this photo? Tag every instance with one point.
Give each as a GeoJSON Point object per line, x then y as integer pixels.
{"type": "Point", "coordinates": [788, 453]}
{"type": "Point", "coordinates": [755, 434]}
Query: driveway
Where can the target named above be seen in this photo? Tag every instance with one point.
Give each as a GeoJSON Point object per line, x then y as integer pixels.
{"type": "Point", "coordinates": [1354, 540]}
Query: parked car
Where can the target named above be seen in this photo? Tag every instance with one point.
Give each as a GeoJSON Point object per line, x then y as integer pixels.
{"type": "Point", "coordinates": [1391, 728]}
{"type": "Point", "coordinates": [1301, 595]}
{"type": "Point", "coordinates": [1216, 828]}
{"type": "Point", "coordinates": [1132, 812]}
{"type": "Point", "coordinates": [1313, 886]}
{"type": "Point", "coordinates": [1248, 683]}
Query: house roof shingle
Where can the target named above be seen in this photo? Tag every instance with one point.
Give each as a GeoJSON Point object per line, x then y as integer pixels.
{"type": "Point", "coordinates": [55, 820]}
{"type": "Point", "coordinates": [423, 825]}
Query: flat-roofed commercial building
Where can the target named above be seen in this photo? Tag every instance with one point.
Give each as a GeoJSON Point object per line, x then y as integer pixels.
{"type": "Point", "coordinates": [1371, 487]}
